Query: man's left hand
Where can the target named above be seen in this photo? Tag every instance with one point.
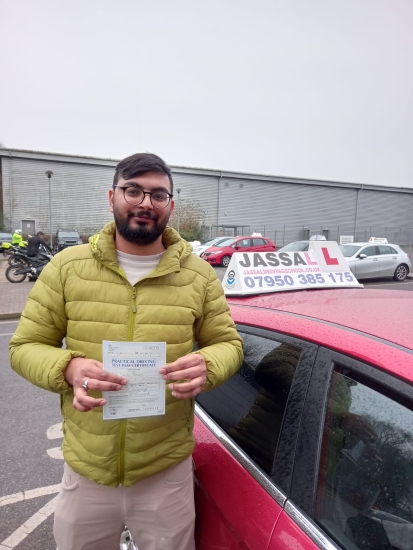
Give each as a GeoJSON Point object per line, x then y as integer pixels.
{"type": "Point", "coordinates": [191, 369]}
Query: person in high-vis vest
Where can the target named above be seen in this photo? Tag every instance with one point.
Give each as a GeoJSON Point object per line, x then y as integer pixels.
{"type": "Point", "coordinates": [17, 237]}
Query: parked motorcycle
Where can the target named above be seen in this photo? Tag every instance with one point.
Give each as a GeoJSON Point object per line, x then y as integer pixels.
{"type": "Point", "coordinates": [11, 249]}
{"type": "Point", "coordinates": [32, 267]}
{"type": "Point", "coordinates": [20, 255]}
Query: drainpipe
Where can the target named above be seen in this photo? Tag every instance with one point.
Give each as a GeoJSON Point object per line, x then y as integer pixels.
{"type": "Point", "coordinates": [218, 203]}
{"type": "Point", "coordinates": [357, 208]}
{"type": "Point", "coordinates": [11, 196]}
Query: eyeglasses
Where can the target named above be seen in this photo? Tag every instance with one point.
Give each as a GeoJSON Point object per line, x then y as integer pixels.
{"type": "Point", "coordinates": [135, 195]}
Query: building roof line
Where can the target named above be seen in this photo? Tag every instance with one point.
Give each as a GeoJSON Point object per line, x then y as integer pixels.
{"type": "Point", "coordinates": [223, 174]}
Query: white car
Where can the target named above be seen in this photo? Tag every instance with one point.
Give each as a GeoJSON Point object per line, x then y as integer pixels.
{"type": "Point", "coordinates": [368, 260]}
{"type": "Point", "coordinates": [213, 242]}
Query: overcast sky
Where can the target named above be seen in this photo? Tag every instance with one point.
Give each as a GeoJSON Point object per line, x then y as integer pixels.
{"type": "Point", "coordinates": [304, 88]}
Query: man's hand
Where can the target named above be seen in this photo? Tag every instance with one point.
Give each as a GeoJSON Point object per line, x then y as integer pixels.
{"type": "Point", "coordinates": [79, 370]}
{"type": "Point", "coordinates": [192, 370]}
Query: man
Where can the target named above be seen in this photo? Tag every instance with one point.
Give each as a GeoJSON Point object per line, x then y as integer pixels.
{"type": "Point", "coordinates": [137, 281]}
{"type": "Point", "coordinates": [34, 243]}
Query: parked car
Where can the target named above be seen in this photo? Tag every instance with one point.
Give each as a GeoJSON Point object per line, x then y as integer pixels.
{"type": "Point", "coordinates": [213, 242]}
{"type": "Point", "coordinates": [5, 238]}
{"type": "Point", "coordinates": [65, 238]}
{"type": "Point", "coordinates": [310, 444]}
{"type": "Point", "coordinates": [221, 255]}
{"type": "Point", "coordinates": [368, 260]}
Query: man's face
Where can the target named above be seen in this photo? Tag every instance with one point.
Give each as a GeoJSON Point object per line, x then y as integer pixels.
{"type": "Point", "coordinates": [141, 224]}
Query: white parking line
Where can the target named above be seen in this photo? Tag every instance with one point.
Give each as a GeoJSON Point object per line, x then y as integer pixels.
{"type": "Point", "coordinates": [6, 333]}
{"type": "Point", "coordinates": [30, 525]}
{"type": "Point", "coordinates": [33, 493]}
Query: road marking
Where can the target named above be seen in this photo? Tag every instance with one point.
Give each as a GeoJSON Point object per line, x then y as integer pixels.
{"type": "Point", "coordinates": [8, 322]}
{"type": "Point", "coordinates": [55, 452]}
{"type": "Point", "coordinates": [30, 525]}
{"type": "Point", "coordinates": [6, 333]}
{"type": "Point", "coordinates": [55, 431]}
{"type": "Point", "coordinates": [33, 493]}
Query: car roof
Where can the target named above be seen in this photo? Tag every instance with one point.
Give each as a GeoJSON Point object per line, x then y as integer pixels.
{"type": "Point", "coordinates": [355, 309]}
{"type": "Point", "coordinates": [372, 244]}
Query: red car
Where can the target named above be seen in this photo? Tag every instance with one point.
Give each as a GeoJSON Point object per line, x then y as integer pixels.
{"type": "Point", "coordinates": [221, 255]}
{"type": "Point", "coordinates": [310, 444]}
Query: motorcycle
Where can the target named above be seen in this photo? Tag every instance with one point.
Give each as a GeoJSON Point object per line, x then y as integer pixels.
{"type": "Point", "coordinates": [32, 267]}
{"type": "Point", "coordinates": [11, 249]}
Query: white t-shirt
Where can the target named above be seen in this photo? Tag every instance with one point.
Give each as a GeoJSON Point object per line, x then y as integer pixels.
{"type": "Point", "coordinates": [137, 267]}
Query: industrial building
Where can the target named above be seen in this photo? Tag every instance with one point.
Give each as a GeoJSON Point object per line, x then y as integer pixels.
{"type": "Point", "coordinates": [281, 208]}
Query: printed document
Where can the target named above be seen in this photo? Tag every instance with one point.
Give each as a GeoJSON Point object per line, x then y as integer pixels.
{"type": "Point", "coordinates": [139, 363]}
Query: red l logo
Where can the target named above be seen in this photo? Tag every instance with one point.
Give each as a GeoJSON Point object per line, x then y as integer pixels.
{"type": "Point", "coordinates": [329, 261]}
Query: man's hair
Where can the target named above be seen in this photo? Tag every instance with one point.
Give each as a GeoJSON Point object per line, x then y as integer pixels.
{"type": "Point", "coordinates": [137, 164]}
{"type": "Point", "coordinates": [40, 234]}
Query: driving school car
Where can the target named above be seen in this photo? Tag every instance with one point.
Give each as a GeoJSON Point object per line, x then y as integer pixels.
{"type": "Point", "coordinates": [310, 444]}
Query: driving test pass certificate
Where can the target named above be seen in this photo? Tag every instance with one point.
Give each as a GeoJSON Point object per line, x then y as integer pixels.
{"type": "Point", "coordinates": [139, 363]}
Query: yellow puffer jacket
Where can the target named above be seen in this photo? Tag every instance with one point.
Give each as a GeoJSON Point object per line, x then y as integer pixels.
{"type": "Point", "coordinates": [83, 295]}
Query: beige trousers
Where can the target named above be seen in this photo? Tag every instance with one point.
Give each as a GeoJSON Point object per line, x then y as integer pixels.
{"type": "Point", "coordinates": [159, 512]}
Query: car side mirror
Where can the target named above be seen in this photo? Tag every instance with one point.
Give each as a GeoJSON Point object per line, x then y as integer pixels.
{"type": "Point", "coordinates": [236, 247]}
{"type": "Point", "coordinates": [362, 256]}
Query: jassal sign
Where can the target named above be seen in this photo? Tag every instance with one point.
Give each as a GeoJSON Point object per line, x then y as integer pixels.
{"type": "Point", "coordinates": [323, 266]}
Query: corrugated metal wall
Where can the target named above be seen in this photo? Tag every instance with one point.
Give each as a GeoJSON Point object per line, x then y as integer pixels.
{"type": "Point", "coordinates": [200, 188]}
{"type": "Point", "coordinates": [79, 194]}
{"type": "Point", "coordinates": [283, 211]}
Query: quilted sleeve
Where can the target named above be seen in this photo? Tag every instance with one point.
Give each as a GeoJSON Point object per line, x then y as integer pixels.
{"type": "Point", "coordinates": [218, 340]}
{"type": "Point", "coordinates": [36, 348]}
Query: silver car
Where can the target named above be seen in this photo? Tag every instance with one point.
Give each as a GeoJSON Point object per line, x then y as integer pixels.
{"type": "Point", "coordinates": [213, 242]}
{"type": "Point", "coordinates": [368, 260]}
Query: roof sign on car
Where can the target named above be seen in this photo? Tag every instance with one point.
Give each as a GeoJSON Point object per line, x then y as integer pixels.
{"type": "Point", "coordinates": [378, 240]}
{"type": "Point", "coordinates": [323, 266]}
{"type": "Point", "coordinates": [317, 238]}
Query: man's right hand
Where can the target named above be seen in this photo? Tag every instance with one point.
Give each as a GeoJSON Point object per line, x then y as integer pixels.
{"type": "Point", "coordinates": [79, 370]}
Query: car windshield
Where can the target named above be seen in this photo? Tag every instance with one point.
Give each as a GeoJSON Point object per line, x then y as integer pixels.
{"type": "Point", "coordinates": [215, 242]}
{"type": "Point", "coordinates": [226, 242]}
{"type": "Point", "coordinates": [349, 250]}
{"type": "Point", "coordinates": [294, 247]}
{"type": "Point", "coordinates": [68, 234]}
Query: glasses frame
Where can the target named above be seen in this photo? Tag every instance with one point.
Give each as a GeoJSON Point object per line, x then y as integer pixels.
{"type": "Point", "coordinates": [150, 193]}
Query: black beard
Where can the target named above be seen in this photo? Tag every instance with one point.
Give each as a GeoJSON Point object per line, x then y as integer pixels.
{"type": "Point", "coordinates": [142, 234]}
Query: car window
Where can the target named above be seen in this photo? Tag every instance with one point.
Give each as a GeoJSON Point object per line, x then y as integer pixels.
{"type": "Point", "coordinates": [250, 405]}
{"type": "Point", "coordinates": [258, 242]}
{"type": "Point", "coordinates": [349, 250]}
{"type": "Point", "coordinates": [295, 247]}
{"type": "Point", "coordinates": [226, 242]}
{"type": "Point", "coordinates": [386, 250]}
{"type": "Point", "coordinates": [68, 234]}
{"type": "Point", "coordinates": [244, 243]}
{"type": "Point", "coordinates": [369, 251]}
{"type": "Point", "coordinates": [365, 483]}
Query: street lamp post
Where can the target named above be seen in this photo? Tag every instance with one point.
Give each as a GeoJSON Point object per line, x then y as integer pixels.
{"type": "Point", "coordinates": [179, 193]}
{"type": "Point", "coordinates": [49, 174]}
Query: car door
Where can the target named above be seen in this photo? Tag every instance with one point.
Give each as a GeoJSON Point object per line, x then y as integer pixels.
{"type": "Point", "coordinates": [389, 260]}
{"type": "Point", "coordinates": [246, 433]}
{"type": "Point", "coordinates": [259, 245]}
{"type": "Point", "coordinates": [370, 266]}
{"type": "Point", "coordinates": [352, 487]}
{"type": "Point", "coordinates": [243, 245]}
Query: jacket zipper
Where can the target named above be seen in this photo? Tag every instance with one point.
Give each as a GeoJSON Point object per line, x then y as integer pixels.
{"type": "Point", "coordinates": [122, 433]}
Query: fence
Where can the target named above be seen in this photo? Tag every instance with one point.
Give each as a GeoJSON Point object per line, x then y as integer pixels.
{"type": "Point", "coordinates": [284, 234]}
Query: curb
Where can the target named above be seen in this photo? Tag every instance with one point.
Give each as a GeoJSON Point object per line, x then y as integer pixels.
{"type": "Point", "coordinates": [15, 316]}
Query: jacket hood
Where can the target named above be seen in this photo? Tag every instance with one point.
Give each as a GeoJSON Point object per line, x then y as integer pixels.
{"type": "Point", "coordinates": [177, 250]}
